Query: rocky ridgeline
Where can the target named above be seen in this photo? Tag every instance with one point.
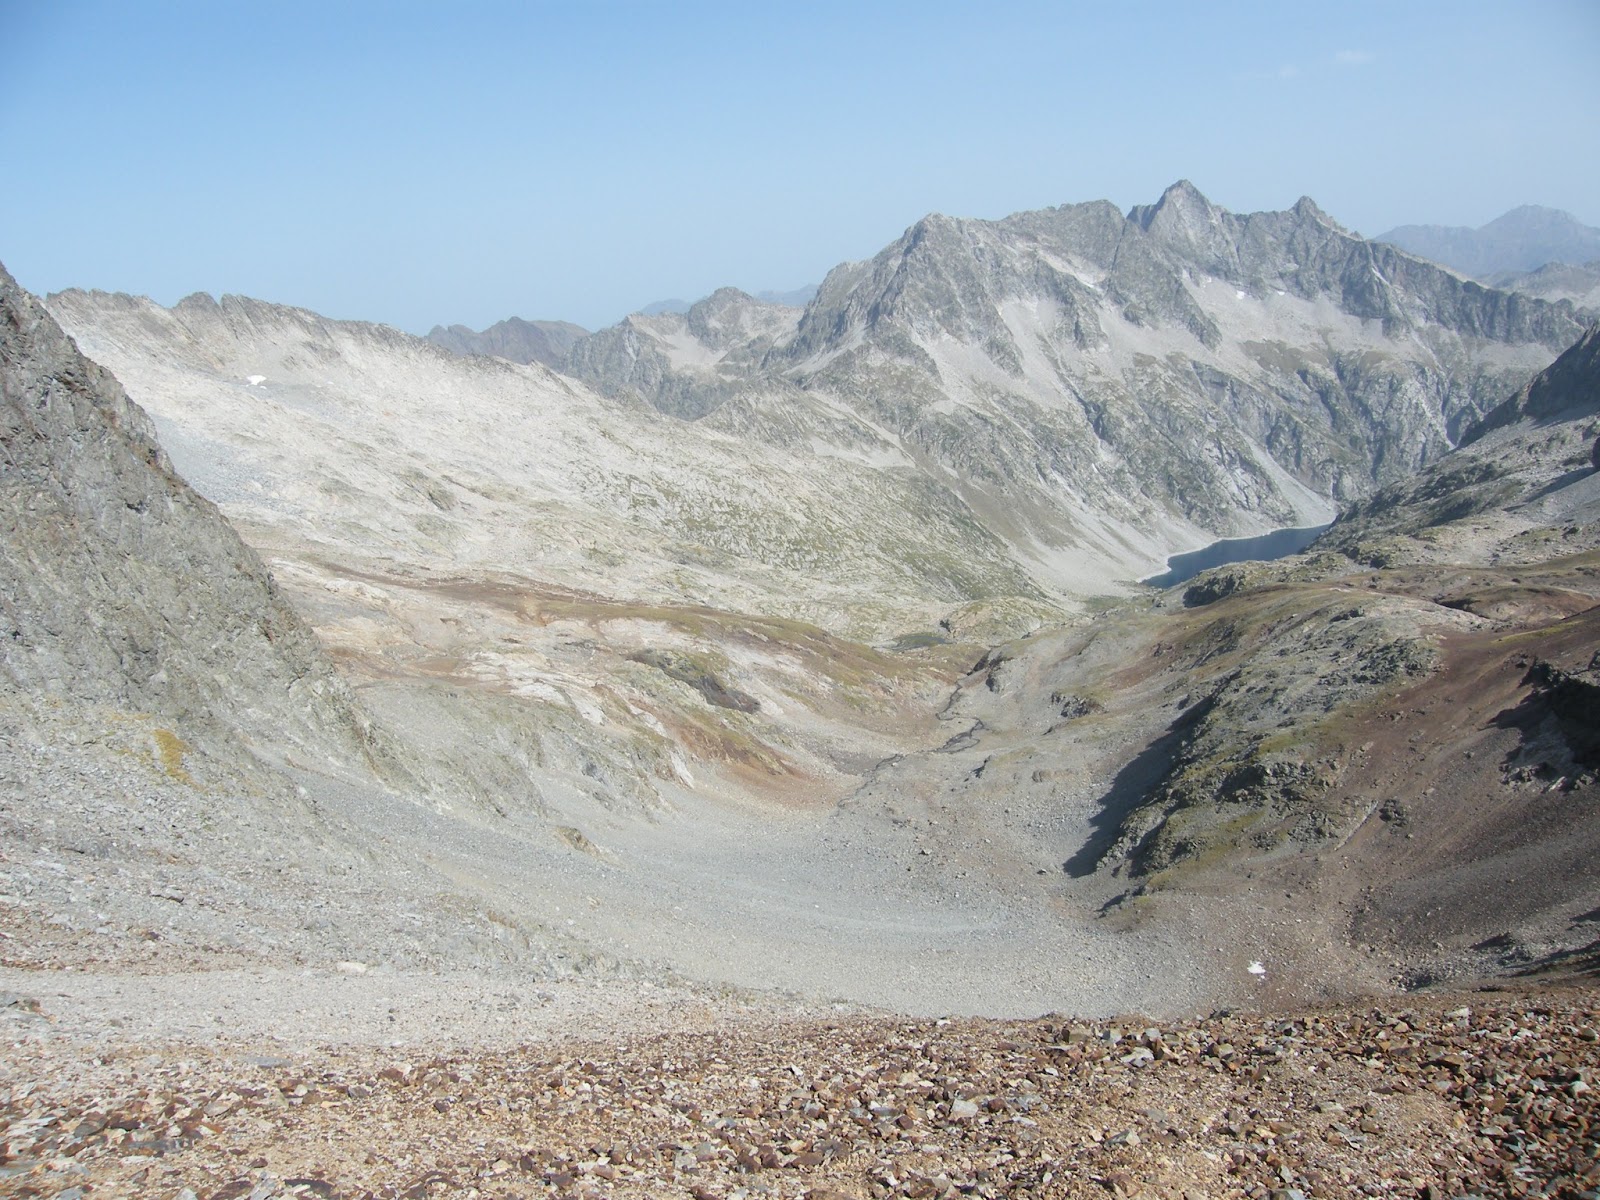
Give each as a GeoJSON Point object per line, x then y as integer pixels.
{"type": "Point", "coordinates": [731, 330]}
{"type": "Point", "coordinates": [123, 590]}
{"type": "Point", "coordinates": [1017, 414]}
{"type": "Point", "coordinates": [1177, 367]}
{"type": "Point", "coordinates": [314, 433]}
{"type": "Point", "coordinates": [1483, 1095]}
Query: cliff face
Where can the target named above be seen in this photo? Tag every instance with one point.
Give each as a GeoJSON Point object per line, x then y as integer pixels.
{"type": "Point", "coordinates": [121, 587]}
{"type": "Point", "coordinates": [1520, 484]}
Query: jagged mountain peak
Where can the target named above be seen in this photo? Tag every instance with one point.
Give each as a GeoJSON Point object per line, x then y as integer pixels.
{"type": "Point", "coordinates": [1188, 223]}
{"type": "Point", "coordinates": [1178, 363]}
{"type": "Point", "coordinates": [952, 275]}
{"type": "Point", "coordinates": [1182, 203]}
{"type": "Point", "coordinates": [933, 226]}
{"type": "Point", "coordinates": [1307, 209]}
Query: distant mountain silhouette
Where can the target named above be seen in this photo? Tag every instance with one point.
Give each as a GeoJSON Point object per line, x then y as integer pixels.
{"type": "Point", "coordinates": [1524, 239]}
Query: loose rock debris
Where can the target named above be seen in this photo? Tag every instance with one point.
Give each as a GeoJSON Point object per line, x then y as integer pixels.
{"type": "Point", "coordinates": [1482, 1094]}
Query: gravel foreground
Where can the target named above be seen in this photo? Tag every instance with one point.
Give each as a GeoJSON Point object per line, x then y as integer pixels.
{"type": "Point", "coordinates": [1488, 1093]}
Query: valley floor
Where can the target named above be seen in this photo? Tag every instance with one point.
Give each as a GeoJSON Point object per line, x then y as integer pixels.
{"type": "Point", "coordinates": [601, 1091]}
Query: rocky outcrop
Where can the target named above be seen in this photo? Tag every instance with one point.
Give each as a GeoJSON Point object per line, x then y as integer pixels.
{"type": "Point", "coordinates": [1565, 707]}
{"type": "Point", "coordinates": [1248, 771]}
{"type": "Point", "coordinates": [122, 588]}
{"type": "Point", "coordinates": [687, 669]}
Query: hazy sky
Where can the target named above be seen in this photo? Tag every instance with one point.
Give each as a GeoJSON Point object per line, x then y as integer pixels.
{"type": "Point", "coordinates": [463, 162]}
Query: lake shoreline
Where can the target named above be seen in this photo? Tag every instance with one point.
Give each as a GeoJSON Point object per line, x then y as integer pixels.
{"type": "Point", "coordinates": [1263, 547]}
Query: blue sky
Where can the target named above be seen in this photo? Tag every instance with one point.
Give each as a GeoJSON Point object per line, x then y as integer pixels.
{"type": "Point", "coordinates": [464, 162]}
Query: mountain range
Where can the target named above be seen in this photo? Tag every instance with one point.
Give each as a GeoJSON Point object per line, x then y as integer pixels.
{"type": "Point", "coordinates": [514, 339]}
{"type": "Point", "coordinates": [1507, 248]}
{"type": "Point", "coordinates": [1275, 365]}
{"type": "Point", "coordinates": [1557, 281]}
{"type": "Point", "coordinates": [802, 649]}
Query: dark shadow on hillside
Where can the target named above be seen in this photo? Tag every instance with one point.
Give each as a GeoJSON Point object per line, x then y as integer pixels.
{"type": "Point", "coordinates": [1560, 703]}
{"type": "Point", "coordinates": [1132, 786]}
{"type": "Point", "coordinates": [1555, 485]}
{"type": "Point", "coordinates": [1582, 961]}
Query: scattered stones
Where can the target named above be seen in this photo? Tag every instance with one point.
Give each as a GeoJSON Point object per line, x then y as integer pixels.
{"type": "Point", "coordinates": [1420, 1099]}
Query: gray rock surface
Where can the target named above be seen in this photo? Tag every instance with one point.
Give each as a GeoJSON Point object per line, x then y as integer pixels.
{"type": "Point", "coordinates": [1567, 389]}
{"type": "Point", "coordinates": [383, 449]}
{"type": "Point", "coordinates": [633, 794]}
{"type": "Point", "coordinates": [120, 587]}
{"type": "Point", "coordinates": [728, 332]}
